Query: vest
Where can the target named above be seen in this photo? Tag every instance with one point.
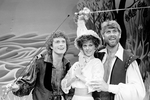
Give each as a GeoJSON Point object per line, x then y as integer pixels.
{"type": "Point", "coordinates": [118, 74]}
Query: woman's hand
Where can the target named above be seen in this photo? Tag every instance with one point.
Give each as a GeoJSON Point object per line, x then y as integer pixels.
{"type": "Point", "coordinates": [82, 15]}
{"type": "Point", "coordinates": [78, 70]}
{"type": "Point", "coordinates": [78, 73]}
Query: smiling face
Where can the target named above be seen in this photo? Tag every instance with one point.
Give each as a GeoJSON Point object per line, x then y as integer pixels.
{"type": "Point", "coordinates": [111, 37]}
{"type": "Point", "coordinates": [59, 45]}
{"type": "Point", "coordinates": [88, 48]}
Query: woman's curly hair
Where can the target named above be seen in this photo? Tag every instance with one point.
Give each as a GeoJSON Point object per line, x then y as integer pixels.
{"type": "Point", "coordinates": [85, 38]}
{"type": "Point", "coordinates": [49, 40]}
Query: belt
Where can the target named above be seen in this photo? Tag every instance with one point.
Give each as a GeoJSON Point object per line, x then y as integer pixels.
{"type": "Point", "coordinates": [82, 92]}
{"type": "Point", "coordinates": [56, 97]}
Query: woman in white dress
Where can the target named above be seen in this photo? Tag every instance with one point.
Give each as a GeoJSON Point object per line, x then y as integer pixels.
{"type": "Point", "coordinates": [88, 68]}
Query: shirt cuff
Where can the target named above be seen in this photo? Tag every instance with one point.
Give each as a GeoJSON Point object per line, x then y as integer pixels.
{"type": "Point", "coordinates": [113, 88]}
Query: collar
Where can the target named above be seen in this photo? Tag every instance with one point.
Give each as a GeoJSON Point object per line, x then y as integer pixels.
{"type": "Point", "coordinates": [83, 58]}
{"type": "Point", "coordinates": [119, 52]}
{"type": "Point", "coordinates": [48, 58]}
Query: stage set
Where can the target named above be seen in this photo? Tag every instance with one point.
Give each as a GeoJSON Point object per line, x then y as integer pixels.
{"type": "Point", "coordinates": [25, 24]}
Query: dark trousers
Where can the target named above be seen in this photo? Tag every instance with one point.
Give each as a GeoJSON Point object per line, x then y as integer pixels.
{"type": "Point", "coordinates": [103, 96]}
{"type": "Point", "coordinates": [58, 97]}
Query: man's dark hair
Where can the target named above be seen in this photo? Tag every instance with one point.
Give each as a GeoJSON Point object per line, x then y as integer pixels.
{"type": "Point", "coordinates": [49, 40]}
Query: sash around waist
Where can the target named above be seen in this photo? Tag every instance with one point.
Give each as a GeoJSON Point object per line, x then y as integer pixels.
{"type": "Point", "coordinates": [82, 92]}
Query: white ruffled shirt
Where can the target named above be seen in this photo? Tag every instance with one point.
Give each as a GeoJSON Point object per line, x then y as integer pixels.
{"type": "Point", "coordinates": [92, 71]}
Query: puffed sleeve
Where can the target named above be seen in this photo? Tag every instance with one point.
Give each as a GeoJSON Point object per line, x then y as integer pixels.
{"type": "Point", "coordinates": [98, 70]}
{"type": "Point", "coordinates": [27, 82]}
{"type": "Point", "coordinates": [67, 79]}
{"type": "Point", "coordinates": [97, 73]}
{"type": "Point", "coordinates": [134, 88]}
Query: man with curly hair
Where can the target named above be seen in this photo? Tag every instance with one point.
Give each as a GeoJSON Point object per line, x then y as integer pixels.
{"type": "Point", "coordinates": [44, 75]}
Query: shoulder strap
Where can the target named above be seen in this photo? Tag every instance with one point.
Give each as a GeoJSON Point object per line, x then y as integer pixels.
{"type": "Point", "coordinates": [130, 58]}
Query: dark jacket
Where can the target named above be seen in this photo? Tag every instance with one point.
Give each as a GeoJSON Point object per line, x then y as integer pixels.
{"type": "Point", "coordinates": [41, 79]}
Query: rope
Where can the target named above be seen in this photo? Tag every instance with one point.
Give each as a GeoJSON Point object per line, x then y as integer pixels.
{"type": "Point", "coordinates": [119, 9]}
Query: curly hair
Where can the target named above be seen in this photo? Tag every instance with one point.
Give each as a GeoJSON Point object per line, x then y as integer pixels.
{"type": "Point", "coordinates": [85, 38]}
{"type": "Point", "coordinates": [49, 40]}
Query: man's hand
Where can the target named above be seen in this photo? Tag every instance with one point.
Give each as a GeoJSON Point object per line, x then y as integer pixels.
{"type": "Point", "coordinates": [10, 87]}
{"type": "Point", "coordinates": [7, 88]}
{"type": "Point", "coordinates": [99, 85]}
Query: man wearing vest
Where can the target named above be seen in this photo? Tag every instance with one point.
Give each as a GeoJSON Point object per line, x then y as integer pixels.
{"type": "Point", "coordinates": [122, 78]}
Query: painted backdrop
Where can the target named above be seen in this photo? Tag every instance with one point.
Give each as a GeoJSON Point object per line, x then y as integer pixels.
{"type": "Point", "coordinates": [25, 24]}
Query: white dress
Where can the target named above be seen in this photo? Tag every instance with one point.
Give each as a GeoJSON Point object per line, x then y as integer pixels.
{"type": "Point", "coordinates": [93, 70]}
